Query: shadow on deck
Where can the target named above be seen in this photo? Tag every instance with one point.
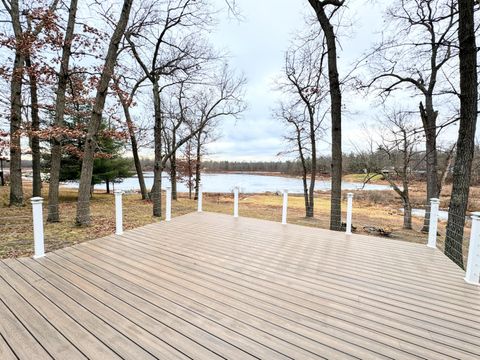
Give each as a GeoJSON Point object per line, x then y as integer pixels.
{"type": "Point", "coordinates": [208, 286]}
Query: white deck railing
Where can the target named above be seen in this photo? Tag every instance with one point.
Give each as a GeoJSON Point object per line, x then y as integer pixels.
{"type": "Point", "coordinates": [472, 274]}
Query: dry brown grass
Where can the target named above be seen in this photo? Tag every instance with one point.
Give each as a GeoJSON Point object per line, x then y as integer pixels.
{"type": "Point", "coordinates": [377, 208]}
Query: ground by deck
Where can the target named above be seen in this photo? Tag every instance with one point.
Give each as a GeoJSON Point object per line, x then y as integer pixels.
{"type": "Point", "coordinates": [209, 286]}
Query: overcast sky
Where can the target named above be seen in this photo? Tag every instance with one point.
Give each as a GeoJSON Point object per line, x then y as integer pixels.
{"type": "Point", "coordinates": [256, 47]}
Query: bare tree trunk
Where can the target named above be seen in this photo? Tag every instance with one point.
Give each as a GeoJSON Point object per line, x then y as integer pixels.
{"type": "Point", "coordinates": [429, 119]}
{"type": "Point", "coordinates": [173, 168]}
{"type": "Point", "coordinates": [446, 167]}
{"type": "Point", "coordinates": [407, 215]}
{"type": "Point", "coordinates": [83, 204]}
{"type": "Point", "coordinates": [136, 157]}
{"type": "Point", "coordinates": [56, 152]}
{"type": "Point", "coordinates": [336, 112]}
{"type": "Point", "coordinates": [35, 127]}
{"type": "Point", "coordinates": [158, 167]}
{"type": "Point", "coordinates": [466, 132]}
{"type": "Point", "coordinates": [107, 184]}
{"type": "Point", "coordinates": [16, 187]}
{"type": "Point", "coordinates": [198, 164]}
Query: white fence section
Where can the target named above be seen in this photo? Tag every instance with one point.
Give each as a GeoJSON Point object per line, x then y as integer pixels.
{"type": "Point", "coordinates": [285, 207]}
{"type": "Point", "coordinates": [472, 275]}
{"type": "Point", "coordinates": [348, 227]}
{"type": "Point", "coordinates": [432, 229]}
{"type": "Point", "coordinates": [235, 201]}
{"type": "Point", "coordinates": [118, 212]}
{"type": "Point", "coordinates": [38, 236]}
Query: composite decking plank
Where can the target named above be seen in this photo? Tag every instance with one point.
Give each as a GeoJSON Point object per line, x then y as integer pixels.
{"type": "Point", "coordinates": [128, 339]}
{"type": "Point", "coordinates": [6, 352]}
{"type": "Point", "coordinates": [243, 334]}
{"type": "Point", "coordinates": [354, 255]}
{"type": "Point", "coordinates": [318, 237]}
{"type": "Point", "coordinates": [22, 342]}
{"type": "Point", "coordinates": [412, 320]}
{"type": "Point", "coordinates": [426, 334]}
{"type": "Point", "coordinates": [33, 319]}
{"type": "Point", "coordinates": [350, 261]}
{"type": "Point", "coordinates": [341, 278]}
{"type": "Point", "coordinates": [175, 281]}
{"type": "Point", "coordinates": [88, 344]}
{"type": "Point", "coordinates": [387, 304]}
{"type": "Point", "coordinates": [229, 306]}
{"type": "Point", "coordinates": [182, 320]}
{"type": "Point", "coordinates": [209, 285]}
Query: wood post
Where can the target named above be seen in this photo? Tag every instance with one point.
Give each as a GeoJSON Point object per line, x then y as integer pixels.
{"type": "Point", "coordinates": [472, 275]}
{"type": "Point", "coordinates": [348, 229]}
{"type": "Point", "coordinates": [235, 201]}
{"type": "Point", "coordinates": [432, 227]}
{"type": "Point", "coordinates": [118, 212]}
{"type": "Point", "coordinates": [168, 204]}
{"type": "Point", "coordinates": [200, 200]}
{"type": "Point", "coordinates": [285, 207]}
{"type": "Point", "coordinates": [38, 236]}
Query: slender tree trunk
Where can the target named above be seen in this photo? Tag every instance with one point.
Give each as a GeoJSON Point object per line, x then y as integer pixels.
{"type": "Point", "coordinates": [136, 157]}
{"type": "Point", "coordinates": [83, 204]}
{"type": "Point", "coordinates": [466, 132]}
{"type": "Point", "coordinates": [198, 164]}
{"type": "Point", "coordinates": [158, 167]}
{"type": "Point", "coordinates": [107, 183]}
{"type": "Point", "coordinates": [429, 120]}
{"type": "Point", "coordinates": [336, 114]}
{"type": "Point", "coordinates": [313, 169]}
{"type": "Point", "coordinates": [56, 147]}
{"type": "Point", "coordinates": [16, 186]}
{"type": "Point", "coordinates": [173, 168]}
{"type": "Point", "coordinates": [35, 127]}
{"type": "Point", "coordinates": [407, 214]}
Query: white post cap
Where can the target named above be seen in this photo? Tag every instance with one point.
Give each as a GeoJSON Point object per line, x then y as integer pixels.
{"type": "Point", "coordinates": [435, 201]}
{"type": "Point", "coordinates": [36, 200]}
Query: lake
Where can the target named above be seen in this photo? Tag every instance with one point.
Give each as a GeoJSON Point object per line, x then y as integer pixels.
{"type": "Point", "coordinates": [248, 183]}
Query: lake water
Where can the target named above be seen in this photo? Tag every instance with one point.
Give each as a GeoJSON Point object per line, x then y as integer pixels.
{"type": "Point", "coordinates": [248, 183]}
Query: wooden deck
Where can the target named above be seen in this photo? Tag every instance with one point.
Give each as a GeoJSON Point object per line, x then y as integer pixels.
{"type": "Point", "coordinates": [209, 286]}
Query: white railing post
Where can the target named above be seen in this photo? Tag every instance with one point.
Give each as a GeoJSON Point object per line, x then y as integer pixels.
{"type": "Point", "coordinates": [118, 212]}
{"type": "Point", "coordinates": [200, 200]}
{"type": "Point", "coordinates": [168, 204]}
{"type": "Point", "coordinates": [472, 275]}
{"type": "Point", "coordinates": [348, 229]}
{"type": "Point", "coordinates": [38, 237]}
{"type": "Point", "coordinates": [432, 228]}
{"type": "Point", "coordinates": [285, 207]}
{"type": "Point", "coordinates": [235, 201]}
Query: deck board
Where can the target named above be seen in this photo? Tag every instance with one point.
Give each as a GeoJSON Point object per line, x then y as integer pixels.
{"type": "Point", "coordinates": [208, 286]}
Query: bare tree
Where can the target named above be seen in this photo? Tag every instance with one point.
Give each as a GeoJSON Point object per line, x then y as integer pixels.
{"type": "Point", "coordinates": [126, 100]}
{"type": "Point", "coordinates": [160, 54]}
{"type": "Point", "coordinates": [22, 45]}
{"type": "Point", "coordinates": [220, 98]}
{"type": "Point", "coordinates": [325, 10]}
{"type": "Point", "coordinates": [466, 133]}
{"type": "Point", "coordinates": [305, 86]}
{"type": "Point", "coordinates": [83, 204]}
{"type": "Point", "coordinates": [56, 147]}
{"type": "Point", "coordinates": [414, 56]}
{"type": "Point", "coordinates": [399, 145]}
